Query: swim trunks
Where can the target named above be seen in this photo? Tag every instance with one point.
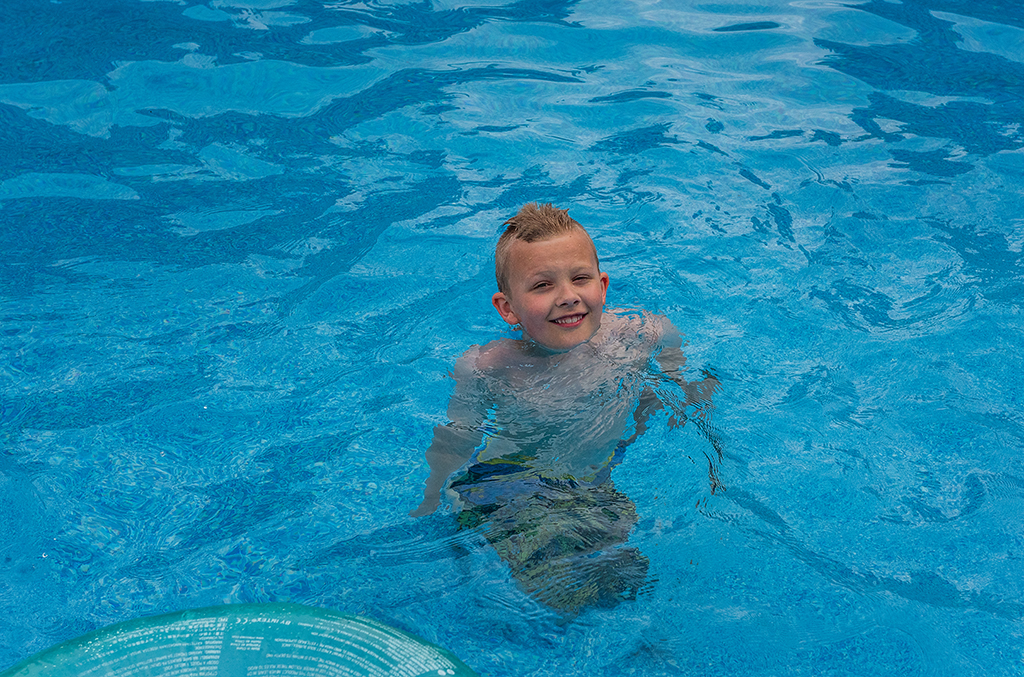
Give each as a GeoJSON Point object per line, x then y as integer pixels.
{"type": "Point", "coordinates": [562, 539]}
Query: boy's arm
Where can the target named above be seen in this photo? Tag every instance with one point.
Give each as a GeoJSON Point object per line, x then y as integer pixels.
{"type": "Point", "coordinates": [672, 361]}
{"type": "Point", "coordinates": [698, 394]}
{"type": "Point", "coordinates": [451, 447]}
{"type": "Point", "coordinates": [454, 443]}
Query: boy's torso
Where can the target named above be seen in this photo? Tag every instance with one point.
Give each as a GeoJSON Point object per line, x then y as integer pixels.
{"type": "Point", "coordinates": [563, 415]}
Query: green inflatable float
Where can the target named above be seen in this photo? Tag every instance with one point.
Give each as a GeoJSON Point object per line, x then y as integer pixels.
{"type": "Point", "coordinates": [246, 640]}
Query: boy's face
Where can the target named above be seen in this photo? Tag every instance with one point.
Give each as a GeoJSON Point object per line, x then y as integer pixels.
{"type": "Point", "coordinates": [555, 290]}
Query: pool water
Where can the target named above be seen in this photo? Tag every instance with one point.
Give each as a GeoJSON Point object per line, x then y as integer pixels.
{"type": "Point", "coordinates": [245, 241]}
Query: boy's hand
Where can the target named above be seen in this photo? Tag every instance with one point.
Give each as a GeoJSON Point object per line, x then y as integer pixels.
{"type": "Point", "coordinates": [710, 384]}
{"type": "Point", "coordinates": [427, 507]}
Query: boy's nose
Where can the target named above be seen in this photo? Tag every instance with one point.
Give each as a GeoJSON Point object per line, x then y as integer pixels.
{"type": "Point", "coordinates": [569, 297]}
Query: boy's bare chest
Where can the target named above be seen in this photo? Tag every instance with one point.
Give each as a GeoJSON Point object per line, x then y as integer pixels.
{"type": "Point", "coordinates": [567, 389]}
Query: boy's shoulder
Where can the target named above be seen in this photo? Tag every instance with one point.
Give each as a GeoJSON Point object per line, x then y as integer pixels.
{"type": "Point", "coordinates": [480, 357]}
{"type": "Point", "coordinates": [627, 323]}
{"type": "Point", "coordinates": [490, 357]}
{"type": "Point", "coordinates": [635, 334]}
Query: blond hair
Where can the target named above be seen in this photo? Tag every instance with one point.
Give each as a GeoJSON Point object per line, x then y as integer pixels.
{"type": "Point", "coordinates": [533, 223]}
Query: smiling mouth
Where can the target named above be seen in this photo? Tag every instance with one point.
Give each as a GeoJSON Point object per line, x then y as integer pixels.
{"type": "Point", "coordinates": [569, 321]}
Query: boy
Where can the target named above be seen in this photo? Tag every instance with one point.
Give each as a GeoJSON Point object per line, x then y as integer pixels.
{"type": "Point", "coordinates": [544, 419]}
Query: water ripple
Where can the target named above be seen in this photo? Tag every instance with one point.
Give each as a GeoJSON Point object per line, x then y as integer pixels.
{"type": "Point", "coordinates": [245, 240]}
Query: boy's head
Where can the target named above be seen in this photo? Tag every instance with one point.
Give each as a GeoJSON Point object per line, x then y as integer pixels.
{"type": "Point", "coordinates": [549, 280]}
{"type": "Point", "coordinates": [533, 223]}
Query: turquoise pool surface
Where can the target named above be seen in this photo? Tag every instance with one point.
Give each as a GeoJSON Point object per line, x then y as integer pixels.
{"type": "Point", "coordinates": [245, 241]}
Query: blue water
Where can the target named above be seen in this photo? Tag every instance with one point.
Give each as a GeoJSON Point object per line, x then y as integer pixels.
{"type": "Point", "coordinates": [244, 242]}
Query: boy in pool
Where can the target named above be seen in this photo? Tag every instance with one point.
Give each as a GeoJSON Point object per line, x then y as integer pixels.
{"type": "Point", "coordinates": [542, 420]}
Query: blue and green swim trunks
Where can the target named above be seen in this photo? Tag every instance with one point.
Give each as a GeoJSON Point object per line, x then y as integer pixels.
{"type": "Point", "coordinates": [563, 539]}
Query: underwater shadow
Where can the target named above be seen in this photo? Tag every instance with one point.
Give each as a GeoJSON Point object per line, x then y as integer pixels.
{"type": "Point", "coordinates": [934, 63]}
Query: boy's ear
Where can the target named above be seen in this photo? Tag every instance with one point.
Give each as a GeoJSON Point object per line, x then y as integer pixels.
{"type": "Point", "coordinates": [604, 286]}
{"type": "Point", "coordinates": [504, 308]}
